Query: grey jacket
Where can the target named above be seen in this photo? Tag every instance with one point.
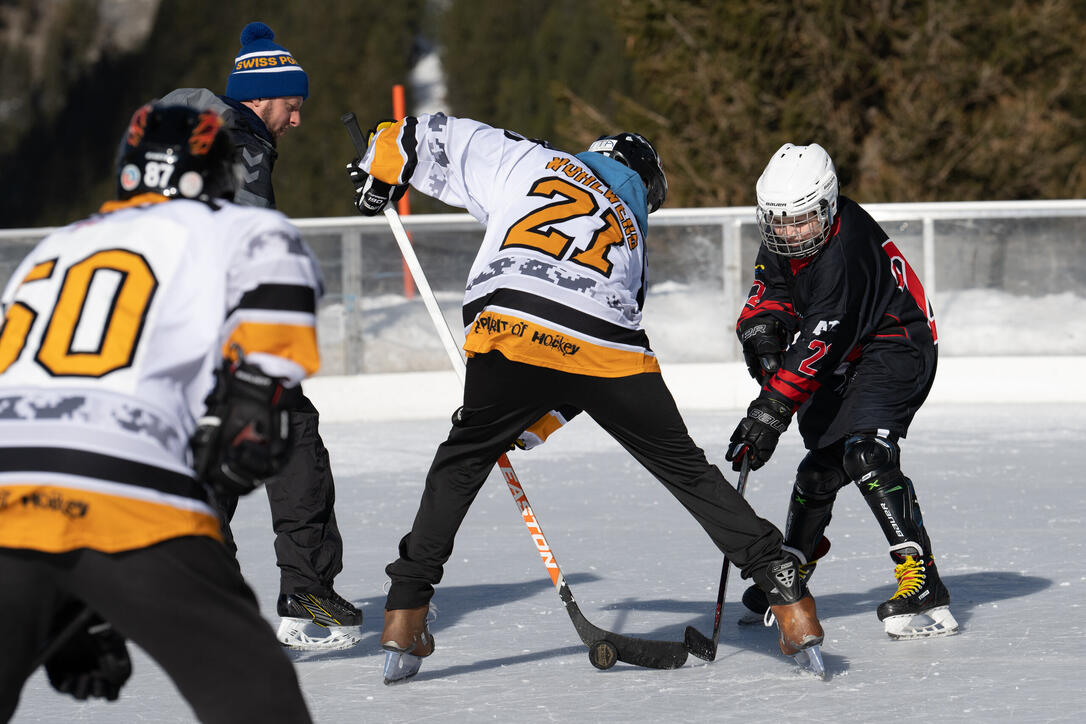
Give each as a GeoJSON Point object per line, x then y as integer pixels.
{"type": "Point", "coordinates": [254, 145]}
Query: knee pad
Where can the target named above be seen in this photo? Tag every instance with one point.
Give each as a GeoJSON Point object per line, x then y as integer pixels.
{"type": "Point", "coordinates": [874, 464]}
{"type": "Point", "coordinates": [871, 461]}
{"type": "Point", "coordinates": [820, 475]}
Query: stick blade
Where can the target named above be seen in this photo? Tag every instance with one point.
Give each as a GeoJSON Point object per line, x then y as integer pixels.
{"type": "Point", "coordinates": [699, 644]}
{"type": "Point", "coordinates": [646, 653]}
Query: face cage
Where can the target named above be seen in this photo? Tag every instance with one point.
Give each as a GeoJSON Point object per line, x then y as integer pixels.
{"type": "Point", "coordinates": [790, 240]}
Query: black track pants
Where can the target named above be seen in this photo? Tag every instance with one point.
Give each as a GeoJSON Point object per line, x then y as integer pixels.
{"type": "Point", "coordinates": [502, 398]}
{"type": "Point", "coordinates": [182, 601]}
{"type": "Point", "coordinates": [302, 498]}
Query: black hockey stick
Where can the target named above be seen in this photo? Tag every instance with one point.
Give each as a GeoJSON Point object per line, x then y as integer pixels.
{"type": "Point", "coordinates": [61, 637]}
{"type": "Point", "coordinates": [698, 643]}
{"type": "Point", "coordinates": [604, 647]}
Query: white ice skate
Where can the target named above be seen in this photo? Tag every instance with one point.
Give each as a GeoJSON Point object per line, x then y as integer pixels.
{"type": "Point", "coordinates": [318, 622]}
{"type": "Point", "coordinates": [938, 621]}
{"type": "Point", "coordinates": [307, 635]}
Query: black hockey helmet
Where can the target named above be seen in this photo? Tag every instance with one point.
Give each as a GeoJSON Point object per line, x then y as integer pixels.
{"type": "Point", "coordinates": [177, 152]}
{"type": "Point", "coordinates": [635, 151]}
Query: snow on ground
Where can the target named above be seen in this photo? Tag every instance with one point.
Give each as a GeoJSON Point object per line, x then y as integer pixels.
{"type": "Point", "coordinates": [686, 324]}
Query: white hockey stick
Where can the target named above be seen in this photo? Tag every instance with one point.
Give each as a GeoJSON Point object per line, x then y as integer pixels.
{"type": "Point", "coordinates": [427, 294]}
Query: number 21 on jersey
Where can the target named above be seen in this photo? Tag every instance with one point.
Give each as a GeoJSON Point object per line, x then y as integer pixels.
{"type": "Point", "coordinates": [571, 202]}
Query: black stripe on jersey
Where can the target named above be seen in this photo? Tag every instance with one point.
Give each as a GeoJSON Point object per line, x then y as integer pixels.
{"type": "Point", "coordinates": [284, 297]}
{"type": "Point", "coordinates": [81, 463]}
{"type": "Point", "coordinates": [550, 310]}
{"type": "Point", "coordinates": [408, 143]}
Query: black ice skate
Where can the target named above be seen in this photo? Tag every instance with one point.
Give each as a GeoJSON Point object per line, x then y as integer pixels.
{"type": "Point", "coordinates": [318, 622]}
{"type": "Point", "coordinates": [921, 606]}
{"type": "Point", "coordinates": [754, 598]}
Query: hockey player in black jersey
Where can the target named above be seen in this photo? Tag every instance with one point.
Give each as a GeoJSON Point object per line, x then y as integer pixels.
{"type": "Point", "coordinates": [838, 331]}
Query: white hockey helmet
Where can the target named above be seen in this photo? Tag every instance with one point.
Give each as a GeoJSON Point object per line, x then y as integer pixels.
{"type": "Point", "coordinates": [797, 200]}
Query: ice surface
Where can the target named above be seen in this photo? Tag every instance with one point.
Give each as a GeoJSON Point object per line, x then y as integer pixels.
{"type": "Point", "coordinates": [1002, 493]}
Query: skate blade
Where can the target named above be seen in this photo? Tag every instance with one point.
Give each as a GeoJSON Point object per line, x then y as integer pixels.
{"type": "Point", "coordinates": [303, 635]}
{"type": "Point", "coordinates": [930, 624]}
{"type": "Point", "coordinates": [400, 666]}
{"type": "Point", "coordinates": [810, 659]}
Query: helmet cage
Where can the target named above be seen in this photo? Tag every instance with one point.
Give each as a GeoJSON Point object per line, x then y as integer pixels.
{"type": "Point", "coordinates": [797, 200]}
{"type": "Point", "coordinates": [636, 153]}
{"type": "Point", "coordinates": [795, 235]}
{"type": "Point", "coordinates": [176, 152]}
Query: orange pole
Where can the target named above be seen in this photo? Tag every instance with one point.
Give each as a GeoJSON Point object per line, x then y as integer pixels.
{"type": "Point", "coordinates": [403, 206]}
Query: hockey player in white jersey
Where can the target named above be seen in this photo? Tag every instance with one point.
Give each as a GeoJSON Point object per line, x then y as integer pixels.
{"type": "Point", "coordinates": [116, 331]}
{"type": "Point", "coordinates": [552, 315]}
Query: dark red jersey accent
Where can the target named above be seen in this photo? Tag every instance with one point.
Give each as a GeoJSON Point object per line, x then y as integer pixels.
{"type": "Point", "coordinates": [907, 280]}
{"type": "Point", "coordinates": [858, 291]}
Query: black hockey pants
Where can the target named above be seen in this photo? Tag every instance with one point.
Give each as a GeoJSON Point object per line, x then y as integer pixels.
{"type": "Point", "coordinates": [502, 398]}
{"type": "Point", "coordinates": [182, 601]}
{"type": "Point", "coordinates": [302, 497]}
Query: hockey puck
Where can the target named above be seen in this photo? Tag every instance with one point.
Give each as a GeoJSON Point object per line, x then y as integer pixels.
{"type": "Point", "coordinates": [603, 654]}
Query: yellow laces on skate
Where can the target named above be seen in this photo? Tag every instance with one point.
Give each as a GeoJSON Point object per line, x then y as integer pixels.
{"type": "Point", "coordinates": [910, 577]}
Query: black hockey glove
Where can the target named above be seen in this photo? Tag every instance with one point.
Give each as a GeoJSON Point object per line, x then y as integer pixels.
{"type": "Point", "coordinates": [244, 437]}
{"type": "Point", "coordinates": [758, 432]}
{"type": "Point", "coordinates": [92, 662]}
{"type": "Point", "coordinates": [372, 195]}
{"type": "Point", "coordinates": [763, 340]}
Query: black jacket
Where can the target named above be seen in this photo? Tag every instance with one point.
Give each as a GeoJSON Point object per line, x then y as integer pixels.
{"type": "Point", "coordinates": [253, 144]}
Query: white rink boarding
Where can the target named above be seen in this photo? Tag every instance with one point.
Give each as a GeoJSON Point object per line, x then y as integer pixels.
{"type": "Point", "coordinates": [710, 386]}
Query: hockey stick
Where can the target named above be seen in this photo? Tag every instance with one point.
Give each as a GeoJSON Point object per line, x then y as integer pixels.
{"type": "Point", "coordinates": [698, 643]}
{"type": "Point", "coordinates": [605, 647]}
{"type": "Point", "coordinates": [61, 638]}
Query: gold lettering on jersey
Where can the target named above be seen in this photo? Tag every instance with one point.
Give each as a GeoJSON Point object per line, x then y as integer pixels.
{"type": "Point", "coordinates": [579, 175]}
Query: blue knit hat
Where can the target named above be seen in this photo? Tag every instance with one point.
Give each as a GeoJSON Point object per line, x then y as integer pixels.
{"type": "Point", "coordinates": [263, 69]}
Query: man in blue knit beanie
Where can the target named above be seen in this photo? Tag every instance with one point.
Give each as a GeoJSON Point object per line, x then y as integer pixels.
{"type": "Point", "coordinates": [267, 79]}
{"type": "Point", "coordinates": [264, 95]}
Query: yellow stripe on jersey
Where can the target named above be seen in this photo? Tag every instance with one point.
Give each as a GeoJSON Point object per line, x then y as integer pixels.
{"type": "Point", "coordinates": [388, 159]}
{"type": "Point", "coordinates": [55, 519]}
{"type": "Point", "coordinates": [289, 341]}
{"type": "Point", "coordinates": [534, 344]}
{"type": "Point", "coordinates": [137, 200]}
{"type": "Point", "coordinates": [544, 426]}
